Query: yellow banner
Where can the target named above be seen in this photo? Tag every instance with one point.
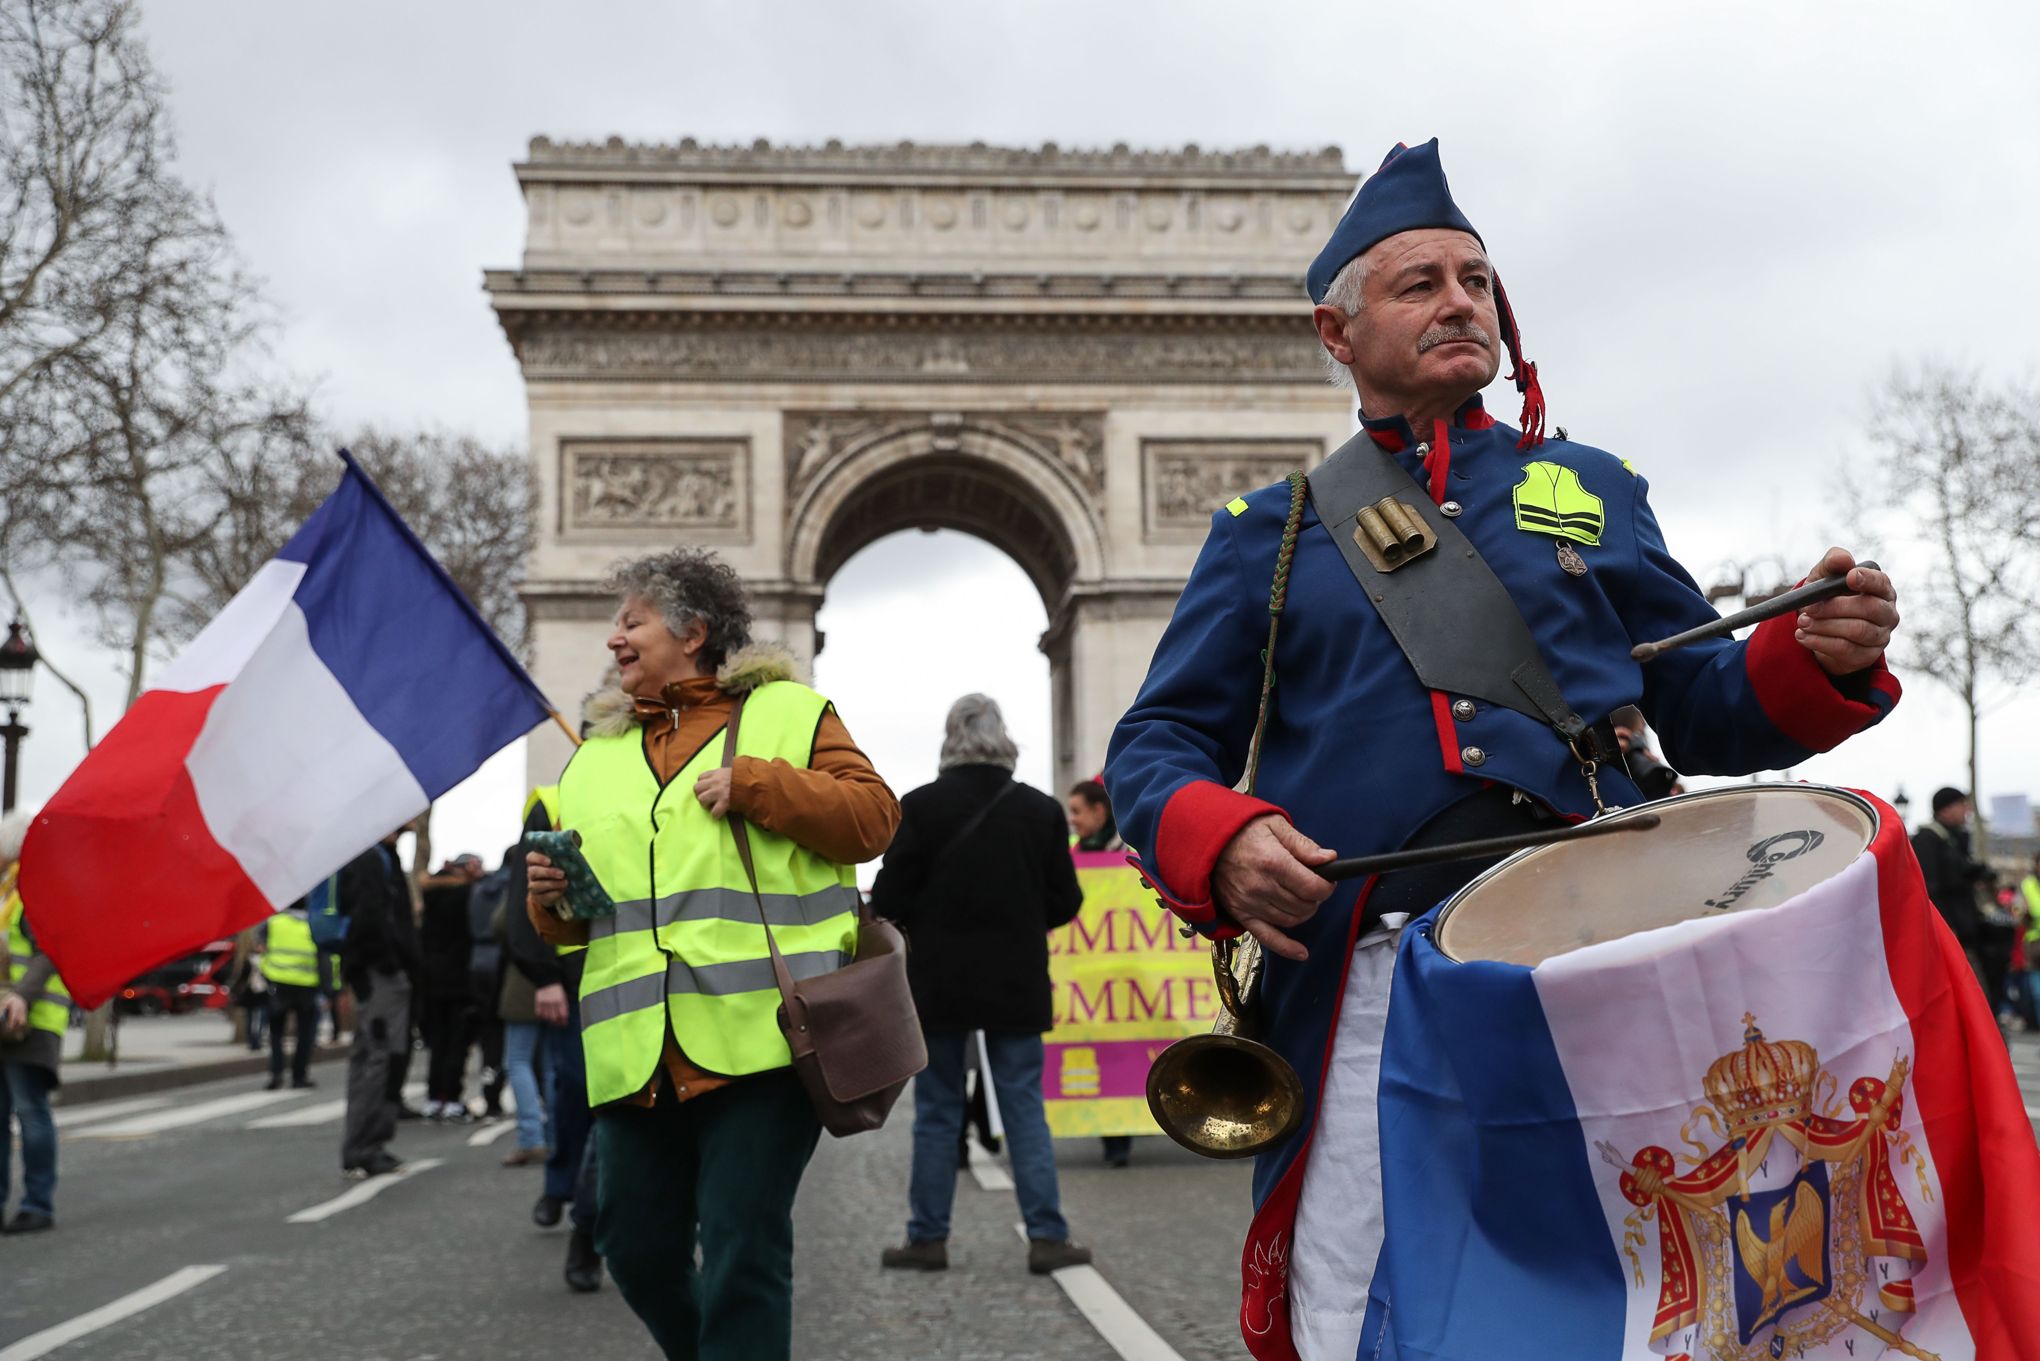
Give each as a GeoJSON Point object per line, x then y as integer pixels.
{"type": "Point", "coordinates": [1127, 986]}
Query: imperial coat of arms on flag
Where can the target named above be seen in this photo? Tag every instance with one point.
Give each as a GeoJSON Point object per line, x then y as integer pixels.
{"type": "Point", "coordinates": [1784, 1227]}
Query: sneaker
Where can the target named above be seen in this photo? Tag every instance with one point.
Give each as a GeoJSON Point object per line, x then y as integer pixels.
{"type": "Point", "coordinates": [545, 1211]}
{"type": "Point", "coordinates": [584, 1264]}
{"type": "Point", "coordinates": [302, 1084]}
{"type": "Point", "coordinates": [932, 1255]}
{"type": "Point", "coordinates": [28, 1221]}
{"type": "Point", "coordinates": [524, 1157]}
{"type": "Point", "coordinates": [1053, 1254]}
{"type": "Point", "coordinates": [275, 1082]}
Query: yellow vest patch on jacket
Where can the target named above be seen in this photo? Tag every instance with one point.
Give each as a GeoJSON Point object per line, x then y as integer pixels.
{"type": "Point", "coordinates": [685, 948]}
{"type": "Point", "coordinates": [52, 1011]}
{"type": "Point", "coordinates": [1550, 500]}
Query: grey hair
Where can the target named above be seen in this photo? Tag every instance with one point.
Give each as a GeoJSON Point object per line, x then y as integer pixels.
{"type": "Point", "coordinates": [13, 831]}
{"type": "Point", "coordinates": [686, 584]}
{"type": "Point", "coordinates": [975, 735]}
{"type": "Point", "coordinates": [1348, 294]}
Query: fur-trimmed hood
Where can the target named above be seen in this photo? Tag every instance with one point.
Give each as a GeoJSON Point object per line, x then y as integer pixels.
{"type": "Point", "coordinates": [611, 712]}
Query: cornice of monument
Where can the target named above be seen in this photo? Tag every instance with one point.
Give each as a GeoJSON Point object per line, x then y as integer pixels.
{"type": "Point", "coordinates": [1324, 168]}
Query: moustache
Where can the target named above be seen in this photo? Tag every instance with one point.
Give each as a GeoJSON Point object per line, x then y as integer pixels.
{"type": "Point", "coordinates": [1445, 335]}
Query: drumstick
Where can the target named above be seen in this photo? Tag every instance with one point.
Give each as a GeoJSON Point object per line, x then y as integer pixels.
{"type": "Point", "coordinates": [1360, 866]}
{"type": "Point", "coordinates": [1827, 588]}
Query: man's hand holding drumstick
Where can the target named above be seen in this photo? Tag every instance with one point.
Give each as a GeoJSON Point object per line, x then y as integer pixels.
{"type": "Point", "coordinates": [1850, 632]}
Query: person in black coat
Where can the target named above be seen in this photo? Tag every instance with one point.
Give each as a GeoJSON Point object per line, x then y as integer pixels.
{"type": "Point", "coordinates": [380, 961]}
{"type": "Point", "coordinates": [1952, 872]}
{"type": "Point", "coordinates": [977, 876]}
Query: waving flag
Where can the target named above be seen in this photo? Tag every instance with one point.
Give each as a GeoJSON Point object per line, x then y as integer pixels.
{"type": "Point", "coordinates": [347, 686]}
{"type": "Point", "coordinates": [1792, 1132]}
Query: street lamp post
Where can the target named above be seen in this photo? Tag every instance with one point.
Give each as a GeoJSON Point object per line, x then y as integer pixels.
{"type": "Point", "coordinates": [17, 679]}
{"type": "Point", "coordinates": [1903, 805]}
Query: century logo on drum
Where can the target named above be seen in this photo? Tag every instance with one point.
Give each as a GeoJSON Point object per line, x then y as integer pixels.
{"type": "Point", "coordinates": [1762, 857]}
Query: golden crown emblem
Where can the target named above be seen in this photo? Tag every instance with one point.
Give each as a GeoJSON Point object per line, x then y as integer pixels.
{"type": "Point", "coordinates": [1766, 1082]}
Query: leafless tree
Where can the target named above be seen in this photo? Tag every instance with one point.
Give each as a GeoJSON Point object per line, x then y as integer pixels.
{"type": "Point", "coordinates": [1957, 498]}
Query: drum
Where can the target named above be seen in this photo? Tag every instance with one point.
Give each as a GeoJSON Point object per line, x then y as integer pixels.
{"type": "Point", "coordinates": [1735, 849]}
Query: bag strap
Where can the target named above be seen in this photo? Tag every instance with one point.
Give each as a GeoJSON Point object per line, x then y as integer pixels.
{"type": "Point", "coordinates": [780, 973]}
{"type": "Point", "coordinates": [976, 821]}
{"type": "Point", "coordinates": [1455, 622]}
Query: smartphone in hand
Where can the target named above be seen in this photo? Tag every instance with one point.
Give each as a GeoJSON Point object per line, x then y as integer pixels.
{"type": "Point", "coordinates": [586, 898]}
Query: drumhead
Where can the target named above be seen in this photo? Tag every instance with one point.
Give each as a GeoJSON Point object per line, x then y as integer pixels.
{"type": "Point", "coordinates": [1722, 850]}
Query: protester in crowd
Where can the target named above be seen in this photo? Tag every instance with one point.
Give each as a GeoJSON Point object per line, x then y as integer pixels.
{"type": "Point", "coordinates": [583, 1269]}
{"type": "Point", "coordinates": [489, 911]}
{"type": "Point", "coordinates": [702, 1127]}
{"type": "Point", "coordinates": [1093, 829]}
{"type": "Point", "coordinates": [446, 1007]}
{"type": "Point", "coordinates": [2025, 909]}
{"type": "Point", "coordinates": [532, 964]}
{"type": "Point", "coordinates": [381, 963]}
{"type": "Point", "coordinates": [1952, 871]}
{"type": "Point", "coordinates": [35, 1010]}
{"type": "Point", "coordinates": [251, 995]}
{"type": "Point", "coordinates": [1997, 945]}
{"type": "Point", "coordinates": [1649, 773]}
{"type": "Point", "coordinates": [288, 963]}
{"type": "Point", "coordinates": [978, 876]}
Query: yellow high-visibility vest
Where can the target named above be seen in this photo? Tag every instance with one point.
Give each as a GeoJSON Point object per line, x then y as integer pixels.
{"type": "Point", "coordinates": [52, 1011]}
{"type": "Point", "coordinates": [685, 947]}
{"type": "Point", "coordinates": [289, 957]}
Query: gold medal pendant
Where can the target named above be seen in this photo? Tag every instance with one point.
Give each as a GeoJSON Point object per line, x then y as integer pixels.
{"type": "Point", "coordinates": [1569, 558]}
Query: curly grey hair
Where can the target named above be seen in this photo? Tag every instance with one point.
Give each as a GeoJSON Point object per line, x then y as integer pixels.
{"type": "Point", "coordinates": [14, 831]}
{"type": "Point", "coordinates": [975, 735]}
{"type": "Point", "coordinates": [686, 584]}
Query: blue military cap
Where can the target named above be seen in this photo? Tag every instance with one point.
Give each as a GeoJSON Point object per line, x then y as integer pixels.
{"type": "Point", "coordinates": [1409, 193]}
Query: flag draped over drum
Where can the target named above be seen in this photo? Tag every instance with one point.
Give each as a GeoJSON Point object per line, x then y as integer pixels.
{"type": "Point", "coordinates": [1776, 1128]}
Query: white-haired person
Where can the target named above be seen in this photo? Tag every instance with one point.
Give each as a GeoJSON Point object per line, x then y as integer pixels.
{"type": "Point", "coordinates": [702, 1128]}
{"type": "Point", "coordinates": [35, 1010]}
{"type": "Point", "coordinates": [978, 876]}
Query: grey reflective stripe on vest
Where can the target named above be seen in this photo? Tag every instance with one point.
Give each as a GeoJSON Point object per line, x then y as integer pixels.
{"type": "Point", "coordinates": [710, 980]}
{"type": "Point", "coordinates": [726, 904]}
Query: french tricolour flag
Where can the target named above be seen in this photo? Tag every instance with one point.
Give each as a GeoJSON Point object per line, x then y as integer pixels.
{"type": "Point", "coordinates": [1605, 1157]}
{"type": "Point", "coordinates": [347, 686]}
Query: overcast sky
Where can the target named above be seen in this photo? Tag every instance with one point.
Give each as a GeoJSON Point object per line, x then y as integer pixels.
{"type": "Point", "coordinates": [1720, 225]}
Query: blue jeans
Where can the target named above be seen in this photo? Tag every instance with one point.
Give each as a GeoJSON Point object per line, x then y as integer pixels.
{"type": "Point", "coordinates": [566, 1097]}
{"type": "Point", "coordinates": [520, 1046]}
{"type": "Point", "coordinates": [938, 1130]}
{"type": "Point", "coordinates": [25, 1096]}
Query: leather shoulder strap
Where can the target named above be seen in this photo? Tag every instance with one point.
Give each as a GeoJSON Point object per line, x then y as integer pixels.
{"type": "Point", "coordinates": [1448, 611]}
{"type": "Point", "coordinates": [742, 833]}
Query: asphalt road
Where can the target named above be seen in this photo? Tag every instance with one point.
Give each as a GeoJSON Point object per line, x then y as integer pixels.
{"type": "Point", "coordinates": [445, 1262]}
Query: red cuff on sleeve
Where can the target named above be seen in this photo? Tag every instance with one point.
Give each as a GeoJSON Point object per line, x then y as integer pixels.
{"type": "Point", "coordinates": [1198, 821]}
{"type": "Point", "coordinates": [1800, 698]}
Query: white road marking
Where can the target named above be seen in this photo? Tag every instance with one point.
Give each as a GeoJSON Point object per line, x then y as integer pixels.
{"type": "Point", "coordinates": [66, 1117]}
{"type": "Point", "coordinates": [1126, 1332]}
{"type": "Point", "coordinates": [489, 1134]}
{"type": "Point", "coordinates": [990, 1173]}
{"type": "Point", "coordinates": [360, 1195]}
{"type": "Point", "coordinates": [319, 1114]}
{"type": "Point", "coordinates": [179, 1116]}
{"type": "Point", "coordinates": [49, 1339]}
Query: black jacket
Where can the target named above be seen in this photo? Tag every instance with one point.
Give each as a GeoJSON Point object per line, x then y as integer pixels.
{"type": "Point", "coordinates": [977, 917]}
{"type": "Point", "coordinates": [1951, 873]}
{"type": "Point", "coordinates": [443, 942]}
{"type": "Point", "coordinates": [382, 936]}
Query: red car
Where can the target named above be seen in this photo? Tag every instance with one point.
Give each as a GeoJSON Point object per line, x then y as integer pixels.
{"type": "Point", "coordinates": [197, 981]}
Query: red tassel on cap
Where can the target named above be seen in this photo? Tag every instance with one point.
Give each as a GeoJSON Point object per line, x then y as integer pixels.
{"type": "Point", "coordinates": [1532, 419]}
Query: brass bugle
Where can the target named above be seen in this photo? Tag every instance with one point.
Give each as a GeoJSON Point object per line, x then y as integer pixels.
{"type": "Point", "coordinates": [1227, 1095]}
{"type": "Point", "coordinates": [1827, 588]}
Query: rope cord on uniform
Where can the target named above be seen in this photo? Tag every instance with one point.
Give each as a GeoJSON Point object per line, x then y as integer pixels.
{"type": "Point", "coordinates": [1278, 598]}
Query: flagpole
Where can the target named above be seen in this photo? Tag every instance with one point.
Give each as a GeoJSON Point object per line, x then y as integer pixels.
{"type": "Point", "coordinates": [572, 736]}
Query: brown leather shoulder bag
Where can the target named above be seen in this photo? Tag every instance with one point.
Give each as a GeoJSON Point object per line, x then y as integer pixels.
{"type": "Point", "coordinates": [854, 1033]}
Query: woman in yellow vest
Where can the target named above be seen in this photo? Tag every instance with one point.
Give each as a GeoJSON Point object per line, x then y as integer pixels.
{"type": "Point", "coordinates": [702, 1129]}
{"type": "Point", "coordinates": [35, 1010]}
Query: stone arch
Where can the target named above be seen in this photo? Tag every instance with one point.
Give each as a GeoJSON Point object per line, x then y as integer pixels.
{"type": "Point", "coordinates": [945, 472]}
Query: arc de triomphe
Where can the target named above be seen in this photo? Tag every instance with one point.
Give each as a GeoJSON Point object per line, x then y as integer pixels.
{"type": "Point", "coordinates": [787, 352]}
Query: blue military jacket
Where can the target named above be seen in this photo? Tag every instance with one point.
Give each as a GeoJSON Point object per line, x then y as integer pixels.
{"type": "Point", "coordinates": [1359, 754]}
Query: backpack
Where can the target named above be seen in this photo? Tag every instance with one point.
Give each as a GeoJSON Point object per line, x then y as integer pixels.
{"type": "Point", "coordinates": [486, 900]}
{"type": "Point", "coordinates": [324, 915]}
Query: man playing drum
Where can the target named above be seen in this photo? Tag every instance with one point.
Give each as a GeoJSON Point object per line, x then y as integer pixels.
{"type": "Point", "coordinates": [1401, 716]}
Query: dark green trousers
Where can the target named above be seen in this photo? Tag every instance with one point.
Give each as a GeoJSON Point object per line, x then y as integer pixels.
{"type": "Point", "coordinates": [722, 1170]}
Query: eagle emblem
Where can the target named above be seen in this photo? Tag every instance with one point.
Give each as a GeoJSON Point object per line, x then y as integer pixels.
{"type": "Point", "coordinates": [1786, 1228]}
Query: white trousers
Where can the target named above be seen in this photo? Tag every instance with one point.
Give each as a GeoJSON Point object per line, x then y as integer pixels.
{"type": "Point", "coordinates": [1338, 1217]}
